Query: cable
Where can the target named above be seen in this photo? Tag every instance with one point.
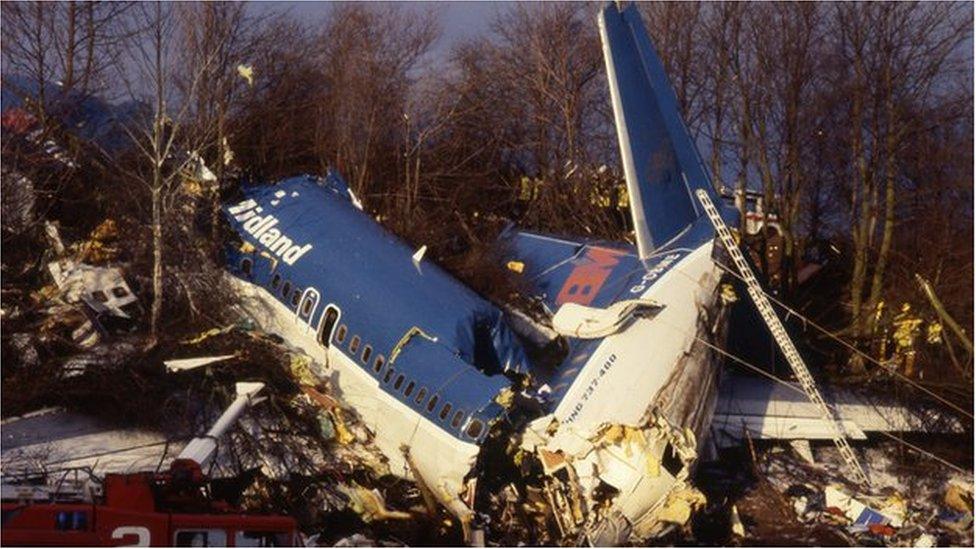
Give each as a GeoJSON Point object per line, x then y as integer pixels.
{"type": "Point", "coordinates": [851, 347]}
{"type": "Point", "coordinates": [806, 320]}
{"type": "Point", "coordinates": [832, 407]}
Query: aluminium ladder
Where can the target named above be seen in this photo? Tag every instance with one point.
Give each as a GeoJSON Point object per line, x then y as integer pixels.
{"type": "Point", "coordinates": [782, 338]}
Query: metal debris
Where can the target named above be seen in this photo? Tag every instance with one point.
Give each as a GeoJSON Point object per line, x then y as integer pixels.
{"type": "Point", "coordinates": [182, 364]}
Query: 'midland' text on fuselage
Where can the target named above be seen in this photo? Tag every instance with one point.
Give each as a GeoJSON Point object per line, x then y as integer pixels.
{"type": "Point", "coordinates": [263, 229]}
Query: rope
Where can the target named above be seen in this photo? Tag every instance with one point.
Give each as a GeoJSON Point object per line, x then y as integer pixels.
{"type": "Point", "coordinates": [832, 407]}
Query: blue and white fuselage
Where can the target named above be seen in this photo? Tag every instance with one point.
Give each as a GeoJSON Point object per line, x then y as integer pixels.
{"type": "Point", "coordinates": [436, 372]}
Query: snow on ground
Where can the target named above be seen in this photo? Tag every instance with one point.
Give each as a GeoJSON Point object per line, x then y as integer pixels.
{"type": "Point", "coordinates": [54, 438]}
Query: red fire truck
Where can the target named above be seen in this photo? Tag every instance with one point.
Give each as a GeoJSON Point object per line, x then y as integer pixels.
{"type": "Point", "coordinates": [146, 509]}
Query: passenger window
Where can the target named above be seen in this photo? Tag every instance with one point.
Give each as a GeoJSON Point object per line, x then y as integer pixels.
{"type": "Point", "coordinates": [421, 394]}
{"type": "Point", "coordinates": [276, 281]}
{"type": "Point", "coordinates": [367, 351]}
{"type": "Point", "coordinates": [354, 344]}
{"type": "Point", "coordinates": [409, 390]}
{"type": "Point", "coordinates": [119, 291]}
{"type": "Point", "coordinates": [100, 296]}
{"type": "Point", "coordinates": [399, 382]}
{"type": "Point", "coordinates": [388, 376]}
{"type": "Point", "coordinates": [432, 404]}
{"type": "Point", "coordinates": [246, 265]}
{"type": "Point", "coordinates": [475, 428]}
{"type": "Point", "coordinates": [200, 538]}
{"type": "Point", "coordinates": [331, 314]}
{"type": "Point", "coordinates": [262, 539]}
{"type": "Point", "coordinates": [586, 289]}
{"type": "Point", "coordinates": [573, 289]}
{"type": "Point", "coordinates": [445, 410]}
{"type": "Point", "coordinates": [307, 307]}
{"type": "Point", "coordinates": [456, 422]}
{"type": "Point", "coordinates": [378, 365]}
{"type": "Point", "coordinates": [285, 290]}
{"type": "Point", "coordinates": [295, 297]}
{"type": "Point", "coordinates": [341, 334]}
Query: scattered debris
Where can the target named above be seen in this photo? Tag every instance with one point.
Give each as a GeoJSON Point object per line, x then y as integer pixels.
{"type": "Point", "coordinates": [107, 301]}
{"type": "Point", "coordinates": [179, 365]}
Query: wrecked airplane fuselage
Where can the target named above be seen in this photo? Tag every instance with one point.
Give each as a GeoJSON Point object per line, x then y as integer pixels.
{"type": "Point", "coordinates": [595, 447]}
{"type": "Point", "coordinates": [598, 446]}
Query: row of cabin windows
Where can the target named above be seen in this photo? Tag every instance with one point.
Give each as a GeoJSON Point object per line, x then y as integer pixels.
{"type": "Point", "coordinates": [296, 295]}
{"type": "Point", "coordinates": [474, 429]}
{"type": "Point", "coordinates": [247, 267]}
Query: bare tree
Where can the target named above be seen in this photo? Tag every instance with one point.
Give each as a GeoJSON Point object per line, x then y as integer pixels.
{"type": "Point", "coordinates": [59, 51]}
{"type": "Point", "coordinates": [367, 61]}
{"type": "Point", "coordinates": [898, 56]}
{"type": "Point", "coordinates": [220, 37]}
{"type": "Point", "coordinates": [164, 136]}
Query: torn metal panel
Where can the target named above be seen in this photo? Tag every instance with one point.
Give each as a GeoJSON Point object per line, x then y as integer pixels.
{"type": "Point", "coordinates": [183, 364]}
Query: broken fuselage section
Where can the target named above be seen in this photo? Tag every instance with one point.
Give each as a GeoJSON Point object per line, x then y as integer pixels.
{"type": "Point", "coordinates": [598, 445]}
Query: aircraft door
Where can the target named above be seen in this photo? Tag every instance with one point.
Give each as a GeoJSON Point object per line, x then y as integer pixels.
{"type": "Point", "coordinates": [329, 319]}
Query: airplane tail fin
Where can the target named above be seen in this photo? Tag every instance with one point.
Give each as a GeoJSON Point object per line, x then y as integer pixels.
{"type": "Point", "coordinates": [660, 161]}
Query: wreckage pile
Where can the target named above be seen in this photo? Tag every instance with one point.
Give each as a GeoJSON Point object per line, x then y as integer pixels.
{"type": "Point", "coordinates": [778, 497]}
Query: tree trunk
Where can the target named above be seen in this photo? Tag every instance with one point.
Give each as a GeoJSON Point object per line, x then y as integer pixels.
{"type": "Point", "coordinates": [888, 229]}
{"type": "Point", "coordinates": [157, 270]}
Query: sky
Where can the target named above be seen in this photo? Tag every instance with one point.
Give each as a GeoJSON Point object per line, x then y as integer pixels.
{"type": "Point", "coordinates": [459, 20]}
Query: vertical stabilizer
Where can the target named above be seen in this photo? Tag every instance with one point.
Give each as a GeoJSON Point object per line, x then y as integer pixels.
{"type": "Point", "coordinates": [661, 164]}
